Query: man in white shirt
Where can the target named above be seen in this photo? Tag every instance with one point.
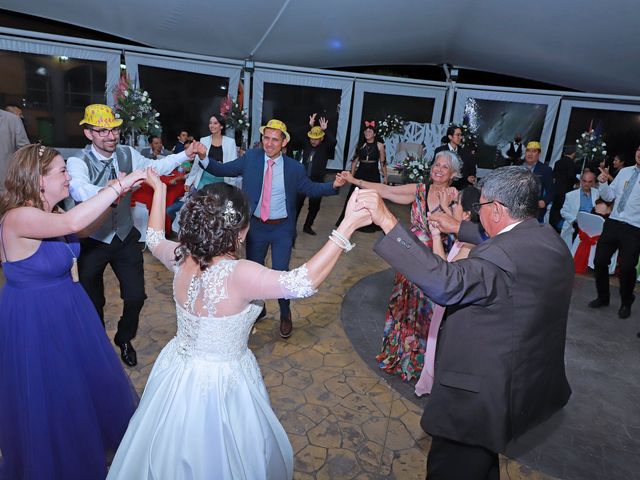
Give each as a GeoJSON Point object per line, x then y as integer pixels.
{"type": "Point", "coordinates": [582, 199]}
{"type": "Point", "coordinates": [115, 241]}
{"type": "Point", "coordinates": [621, 232]}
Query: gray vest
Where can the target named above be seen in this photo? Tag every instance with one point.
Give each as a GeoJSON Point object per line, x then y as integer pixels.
{"type": "Point", "coordinates": [119, 222]}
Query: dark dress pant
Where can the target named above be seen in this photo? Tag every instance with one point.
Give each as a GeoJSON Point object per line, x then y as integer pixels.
{"type": "Point", "coordinates": [262, 236]}
{"type": "Point", "coordinates": [625, 238]}
{"type": "Point", "coordinates": [450, 460]}
{"type": "Point", "coordinates": [125, 258]}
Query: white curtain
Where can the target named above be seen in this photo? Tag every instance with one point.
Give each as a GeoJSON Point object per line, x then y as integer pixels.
{"type": "Point", "coordinates": [565, 114]}
{"type": "Point", "coordinates": [43, 47]}
{"type": "Point", "coordinates": [262, 76]}
{"type": "Point", "coordinates": [389, 88]}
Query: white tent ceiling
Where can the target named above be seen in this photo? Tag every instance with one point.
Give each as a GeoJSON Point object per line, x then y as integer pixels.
{"type": "Point", "coordinates": [586, 45]}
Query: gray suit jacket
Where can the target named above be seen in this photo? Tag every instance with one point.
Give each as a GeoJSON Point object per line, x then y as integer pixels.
{"type": "Point", "coordinates": [500, 366]}
{"type": "Point", "coordinates": [12, 137]}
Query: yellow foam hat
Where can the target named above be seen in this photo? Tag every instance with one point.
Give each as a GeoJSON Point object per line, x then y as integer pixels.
{"type": "Point", "coordinates": [534, 146]}
{"type": "Point", "coordinates": [100, 115]}
{"type": "Point", "coordinates": [276, 125]}
{"type": "Point", "coordinates": [315, 133]}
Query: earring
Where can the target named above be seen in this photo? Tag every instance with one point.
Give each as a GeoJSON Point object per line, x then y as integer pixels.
{"type": "Point", "coordinates": [42, 190]}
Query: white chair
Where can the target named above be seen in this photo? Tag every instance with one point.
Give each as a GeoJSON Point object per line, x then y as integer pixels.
{"type": "Point", "coordinates": [592, 225]}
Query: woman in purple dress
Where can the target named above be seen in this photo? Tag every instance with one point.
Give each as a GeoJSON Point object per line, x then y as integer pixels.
{"type": "Point", "coordinates": [65, 400]}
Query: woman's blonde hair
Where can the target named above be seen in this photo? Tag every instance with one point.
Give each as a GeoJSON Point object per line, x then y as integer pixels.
{"type": "Point", "coordinates": [22, 183]}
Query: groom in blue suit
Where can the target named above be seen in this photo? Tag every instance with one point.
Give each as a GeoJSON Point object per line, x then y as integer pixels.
{"type": "Point", "coordinates": [272, 182]}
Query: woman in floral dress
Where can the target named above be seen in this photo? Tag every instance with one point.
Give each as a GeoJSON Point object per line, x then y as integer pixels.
{"type": "Point", "coordinates": [409, 312]}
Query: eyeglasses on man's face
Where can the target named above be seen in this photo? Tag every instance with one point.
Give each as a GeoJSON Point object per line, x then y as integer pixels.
{"type": "Point", "coordinates": [475, 207]}
{"type": "Point", "coordinates": [104, 132]}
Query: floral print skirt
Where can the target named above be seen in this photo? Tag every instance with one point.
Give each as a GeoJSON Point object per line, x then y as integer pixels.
{"type": "Point", "coordinates": [405, 331]}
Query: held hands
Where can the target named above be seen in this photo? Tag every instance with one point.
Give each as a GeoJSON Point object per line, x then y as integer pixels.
{"type": "Point", "coordinates": [355, 217]}
{"type": "Point", "coordinates": [348, 178]}
{"type": "Point", "coordinates": [152, 179]}
{"type": "Point", "coordinates": [371, 201]}
{"type": "Point", "coordinates": [128, 182]}
{"type": "Point", "coordinates": [339, 181]}
{"type": "Point", "coordinates": [196, 148]}
{"type": "Point", "coordinates": [444, 222]}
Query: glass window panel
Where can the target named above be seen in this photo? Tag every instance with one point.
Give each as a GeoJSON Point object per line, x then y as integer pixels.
{"type": "Point", "coordinates": [52, 94]}
{"type": "Point", "coordinates": [294, 103]}
{"type": "Point", "coordinates": [620, 130]}
{"type": "Point", "coordinates": [497, 121]}
{"type": "Point", "coordinates": [185, 100]}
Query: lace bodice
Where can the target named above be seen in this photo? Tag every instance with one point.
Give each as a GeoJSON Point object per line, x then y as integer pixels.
{"type": "Point", "coordinates": [214, 308]}
{"type": "Point", "coordinates": [215, 338]}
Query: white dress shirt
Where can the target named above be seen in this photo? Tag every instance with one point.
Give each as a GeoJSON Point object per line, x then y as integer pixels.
{"type": "Point", "coordinates": [81, 187]}
{"type": "Point", "coordinates": [631, 212]}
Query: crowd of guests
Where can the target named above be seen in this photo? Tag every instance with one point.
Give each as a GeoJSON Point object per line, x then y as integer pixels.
{"type": "Point", "coordinates": [467, 275]}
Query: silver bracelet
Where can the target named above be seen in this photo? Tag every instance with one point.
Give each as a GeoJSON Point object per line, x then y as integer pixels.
{"type": "Point", "coordinates": [341, 241]}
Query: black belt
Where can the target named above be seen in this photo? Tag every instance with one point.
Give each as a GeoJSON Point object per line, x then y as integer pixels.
{"type": "Point", "coordinates": [271, 221]}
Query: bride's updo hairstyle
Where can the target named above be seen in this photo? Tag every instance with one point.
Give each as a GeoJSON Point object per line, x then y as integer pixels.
{"type": "Point", "coordinates": [210, 223]}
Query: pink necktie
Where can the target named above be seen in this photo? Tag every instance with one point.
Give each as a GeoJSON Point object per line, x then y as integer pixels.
{"type": "Point", "coordinates": [265, 205]}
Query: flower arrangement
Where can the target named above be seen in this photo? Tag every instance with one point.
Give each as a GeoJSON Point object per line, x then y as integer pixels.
{"type": "Point", "coordinates": [414, 170]}
{"type": "Point", "coordinates": [133, 106]}
{"type": "Point", "coordinates": [590, 145]}
{"type": "Point", "coordinates": [234, 115]}
{"type": "Point", "coordinates": [391, 125]}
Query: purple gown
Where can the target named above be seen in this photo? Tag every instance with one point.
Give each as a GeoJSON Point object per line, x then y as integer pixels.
{"type": "Point", "coordinates": [65, 400]}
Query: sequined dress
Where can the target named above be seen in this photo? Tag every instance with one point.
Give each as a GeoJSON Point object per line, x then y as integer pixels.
{"type": "Point", "coordinates": [205, 411]}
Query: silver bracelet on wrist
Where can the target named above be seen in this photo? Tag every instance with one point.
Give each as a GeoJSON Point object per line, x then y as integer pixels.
{"type": "Point", "coordinates": [340, 240]}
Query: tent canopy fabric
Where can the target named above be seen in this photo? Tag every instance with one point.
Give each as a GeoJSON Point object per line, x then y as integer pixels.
{"type": "Point", "coordinates": [585, 45]}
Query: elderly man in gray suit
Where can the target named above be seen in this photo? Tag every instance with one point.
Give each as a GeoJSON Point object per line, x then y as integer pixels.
{"type": "Point", "coordinates": [500, 368]}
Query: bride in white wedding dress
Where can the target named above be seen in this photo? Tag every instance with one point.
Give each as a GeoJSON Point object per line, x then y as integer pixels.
{"type": "Point", "coordinates": [205, 411]}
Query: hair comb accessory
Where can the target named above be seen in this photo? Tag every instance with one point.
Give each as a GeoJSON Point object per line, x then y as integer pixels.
{"type": "Point", "coordinates": [371, 124]}
{"type": "Point", "coordinates": [229, 214]}
{"type": "Point", "coordinates": [41, 150]}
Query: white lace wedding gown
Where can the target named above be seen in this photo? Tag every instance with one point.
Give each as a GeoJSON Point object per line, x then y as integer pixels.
{"type": "Point", "coordinates": [205, 412]}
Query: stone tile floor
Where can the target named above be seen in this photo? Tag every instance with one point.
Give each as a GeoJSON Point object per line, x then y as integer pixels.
{"type": "Point", "coordinates": [344, 421]}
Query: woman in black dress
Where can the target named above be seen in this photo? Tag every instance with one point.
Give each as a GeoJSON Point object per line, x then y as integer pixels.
{"type": "Point", "coordinates": [368, 163]}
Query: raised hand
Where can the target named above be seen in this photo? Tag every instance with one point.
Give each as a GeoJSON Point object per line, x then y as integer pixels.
{"type": "Point", "coordinates": [323, 123]}
{"type": "Point", "coordinates": [433, 228]}
{"type": "Point", "coordinates": [604, 176]}
{"type": "Point", "coordinates": [380, 214]}
{"type": "Point", "coordinates": [353, 216]}
{"type": "Point", "coordinates": [152, 179]}
{"type": "Point", "coordinates": [312, 119]}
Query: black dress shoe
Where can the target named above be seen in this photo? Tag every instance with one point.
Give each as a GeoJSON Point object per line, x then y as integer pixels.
{"type": "Point", "coordinates": [286, 325]}
{"type": "Point", "coordinates": [598, 302]}
{"type": "Point", "coordinates": [625, 311]}
{"type": "Point", "coordinates": [128, 354]}
{"type": "Point", "coordinates": [262, 314]}
{"type": "Point", "coordinates": [309, 230]}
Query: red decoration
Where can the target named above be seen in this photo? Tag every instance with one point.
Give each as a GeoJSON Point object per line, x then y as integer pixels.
{"type": "Point", "coordinates": [581, 257]}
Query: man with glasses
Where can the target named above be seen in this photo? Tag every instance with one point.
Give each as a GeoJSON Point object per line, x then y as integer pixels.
{"type": "Point", "coordinates": [500, 368]}
{"type": "Point", "coordinates": [115, 240]}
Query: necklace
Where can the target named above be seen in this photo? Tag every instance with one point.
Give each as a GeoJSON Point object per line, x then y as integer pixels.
{"type": "Point", "coordinates": [75, 276]}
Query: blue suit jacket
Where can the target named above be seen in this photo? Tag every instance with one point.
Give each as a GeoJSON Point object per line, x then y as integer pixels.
{"type": "Point", "coordinates": [251, 167]}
